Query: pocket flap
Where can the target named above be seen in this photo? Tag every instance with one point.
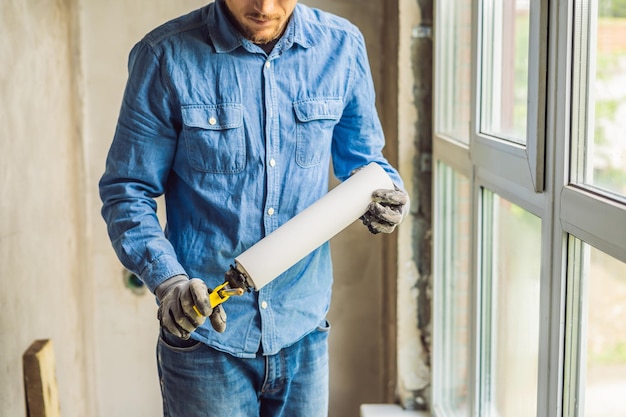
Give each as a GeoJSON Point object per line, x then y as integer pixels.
{"type": "Point", "coordinates": [319, 109]}
{"type": "Point", "coordinates": [213, 117]}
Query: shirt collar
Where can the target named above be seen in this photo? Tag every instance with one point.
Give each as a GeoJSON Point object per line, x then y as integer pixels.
{"type": "Point", "coordinates": [226, 38]}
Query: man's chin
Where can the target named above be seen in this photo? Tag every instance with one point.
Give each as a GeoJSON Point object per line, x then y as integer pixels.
{"type": "Point", "coordinates": [263, 39]}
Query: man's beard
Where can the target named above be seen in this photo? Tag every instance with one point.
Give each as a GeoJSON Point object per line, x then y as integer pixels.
{"type": "Point", "coordinates": [263, 39]}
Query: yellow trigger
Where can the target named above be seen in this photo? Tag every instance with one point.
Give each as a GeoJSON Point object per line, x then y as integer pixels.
{"type": "Point", "coordinates": [219, 295]}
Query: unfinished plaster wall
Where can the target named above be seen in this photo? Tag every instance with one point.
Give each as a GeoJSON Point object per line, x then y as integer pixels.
{"type": "Point", "coordinates": [414, 247]}
{"type": "Point", "coordinates": [42, 239]}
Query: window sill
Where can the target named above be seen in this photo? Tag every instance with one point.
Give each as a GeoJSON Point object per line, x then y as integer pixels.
{"type": "Point", "coordinates": [389, 410]}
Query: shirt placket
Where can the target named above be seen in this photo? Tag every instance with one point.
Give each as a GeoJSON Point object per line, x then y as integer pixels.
{"type": "Point", "coordinates": [271, 207]}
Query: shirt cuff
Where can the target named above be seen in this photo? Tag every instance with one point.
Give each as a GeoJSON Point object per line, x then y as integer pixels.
{"type": "Point", "coordinates": [161, 269]}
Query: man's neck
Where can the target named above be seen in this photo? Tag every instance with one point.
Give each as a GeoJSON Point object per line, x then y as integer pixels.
{"type": "Point", "coordinates": [267, 47]}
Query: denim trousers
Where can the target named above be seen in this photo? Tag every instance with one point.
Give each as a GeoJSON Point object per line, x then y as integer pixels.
{"type": "Point", "coordinates": [199, 381]}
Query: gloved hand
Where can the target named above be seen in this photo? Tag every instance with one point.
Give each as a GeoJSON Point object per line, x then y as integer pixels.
{"type": "Point", "coordinates": [386, 210]}
{"type": "Point", "coordinates": [177, 297]}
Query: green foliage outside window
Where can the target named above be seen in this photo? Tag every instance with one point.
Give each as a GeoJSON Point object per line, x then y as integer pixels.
{"type": "Point", "coordinates": [612, 8]}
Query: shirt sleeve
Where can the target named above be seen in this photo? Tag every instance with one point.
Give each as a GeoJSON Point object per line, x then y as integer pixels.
{"type": "Point", "coordinates": [358, 138]}
{"type": "Point", "coordinates": [137, 168]}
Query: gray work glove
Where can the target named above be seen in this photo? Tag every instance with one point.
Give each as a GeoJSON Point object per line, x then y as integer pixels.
{"type": "Point", "coordinates": [177, 297]}
{"type": "Point", "coordinates": [386, 210]}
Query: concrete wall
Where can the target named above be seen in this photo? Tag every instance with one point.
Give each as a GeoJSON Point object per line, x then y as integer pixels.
{"type": "Point", "coordinates": [43, 243]}
{"type": "Point", "coordinates": [65, 68]}
{"type": "Point", "coordinates": [414, 238]}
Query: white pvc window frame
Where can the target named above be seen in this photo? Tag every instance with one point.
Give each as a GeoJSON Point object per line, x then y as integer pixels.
{"type": "Point", "coordinates": [537, 178]}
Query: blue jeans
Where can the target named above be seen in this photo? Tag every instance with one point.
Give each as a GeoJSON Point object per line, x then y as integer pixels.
{"type": "Point", "coordinates": [199, 381]}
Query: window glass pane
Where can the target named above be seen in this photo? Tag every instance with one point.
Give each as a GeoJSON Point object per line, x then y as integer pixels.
{"type": "Point", "coordinates": [600, 156]}
{"type": "Point", "coordinates": [504, 68]}
{"type": "Point", "coordinates": [510, 274]}
{"type": "Point", "coordinates": [453, 263]}
{"type": "Point", "coordinates": [602, 368]}
{"type": "Point", "coordinates": [453, 88]}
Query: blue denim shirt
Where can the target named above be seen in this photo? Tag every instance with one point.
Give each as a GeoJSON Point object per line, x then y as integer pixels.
{"type": "Point", "coordinates": [239, 142]}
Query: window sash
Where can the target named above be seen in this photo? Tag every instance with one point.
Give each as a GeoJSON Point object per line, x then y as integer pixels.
{"type": "Point", "coordinates": [523, 164]}
{"type": "Point", "coordinates": [587, 60]}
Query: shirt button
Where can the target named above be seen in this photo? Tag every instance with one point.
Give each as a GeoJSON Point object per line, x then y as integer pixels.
{"type": "Point", "coordinates": [270, 211]}
{"type": "Point", "coordinates": [272, 163]}
{"type": "Point", "coordinates": [264, 305]}
{"type": "Point", "coordinates": [267, 64]}
{"type": "Point", "coordinates": [212, 121]}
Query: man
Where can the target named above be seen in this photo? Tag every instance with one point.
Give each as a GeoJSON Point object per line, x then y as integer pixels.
{"type": "Point", "coordinates": [234, 113]}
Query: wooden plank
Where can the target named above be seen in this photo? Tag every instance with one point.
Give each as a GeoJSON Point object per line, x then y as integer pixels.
{"type": "Point", "coordinates": [42, 399]}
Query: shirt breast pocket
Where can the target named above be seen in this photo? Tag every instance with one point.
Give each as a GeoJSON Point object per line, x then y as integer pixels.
{"type": "Point", "coordinates": [315, 121]}
{"type": "Point", "coordinates": [214, 137]}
